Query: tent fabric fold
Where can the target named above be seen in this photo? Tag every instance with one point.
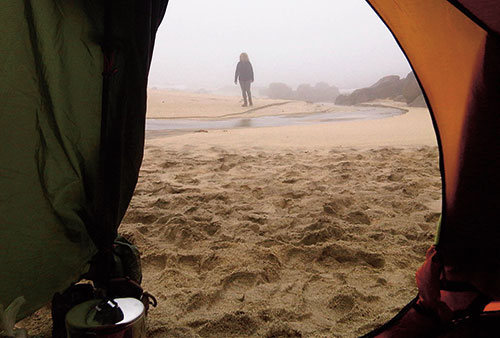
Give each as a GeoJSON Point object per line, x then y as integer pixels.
{"type": "Point", "coordinates": [486, 13]}
{"type": "Point", "coordinates": [453, 58]}
{"type": "Point", "coordinates": [454, 47]}
{"type": "Point", "coordinates": [128, 39]}
{"type": "Point", "coordinates": [65, 182]}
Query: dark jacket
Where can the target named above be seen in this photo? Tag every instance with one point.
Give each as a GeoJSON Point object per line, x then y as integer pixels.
{"type": "Point", "coordinates": [244, 71]}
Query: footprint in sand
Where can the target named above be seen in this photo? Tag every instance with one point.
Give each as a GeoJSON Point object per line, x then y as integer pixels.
{"type": "Point", "coordinates": [155, 262]}
{"type": "Point", "coordinates": [190, 261]}
{"type": "Point", "coordinates": [341, 303]}
{"type": "Point", "coordinates": [257, 218]}
{"type": "Point", "coordinates": [138, 216]}
{"type": "Point", "coordinates": [358, 217]}
{"type": "Point", "coordinates": [168, 164]}
{"type": "Point", "coordinates": [237, 324]}
{"type": "Point", "coordinates": [160, 203]}
{"type": "Point", "coordinates": [332, 254]}
{"type": "Point", "coordinates": [283, 331]}
{"type": "Point", "coordinates": [182, 235]}
{"type": "Point", "coordinates": [212, 228]}
{"type": "Point", "coordinates": [323, 235]}
{"type": "Point", "coordinates": [432, 217]}
{"type": "Point", "coordinates": [374, 259]}
{"type": "Point", "coordinates": [202, 299]}
{"type": "Point", "coordinates": [240, 280]}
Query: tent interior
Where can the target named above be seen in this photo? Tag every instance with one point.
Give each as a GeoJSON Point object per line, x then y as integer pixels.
{"type": "Point", "coordinates": [73, 112]}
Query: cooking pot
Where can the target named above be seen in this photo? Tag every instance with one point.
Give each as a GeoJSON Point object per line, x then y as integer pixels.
{"type": "Point", "coordinates": [115, 318]}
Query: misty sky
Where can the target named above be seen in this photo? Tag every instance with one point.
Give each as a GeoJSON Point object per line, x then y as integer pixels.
{"type": "Point", "coordinates": [341, 42]}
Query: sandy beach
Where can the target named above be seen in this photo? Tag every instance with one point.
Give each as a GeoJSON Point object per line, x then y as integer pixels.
{"type": "Point", "coordinates": [295, 231]}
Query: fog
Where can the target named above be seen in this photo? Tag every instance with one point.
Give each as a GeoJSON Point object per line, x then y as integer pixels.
{"type": "Point", "coordinates": [341, 42]}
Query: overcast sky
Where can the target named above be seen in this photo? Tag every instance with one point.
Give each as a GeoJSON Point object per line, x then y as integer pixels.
{"type": "Point", "coordinates": [341, 42]}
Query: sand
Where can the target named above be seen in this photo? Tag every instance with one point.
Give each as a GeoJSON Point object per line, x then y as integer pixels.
{"type": "Point", "coordinates": [304, 231]}
{"type": "Point", "coordinates": [166, 104]}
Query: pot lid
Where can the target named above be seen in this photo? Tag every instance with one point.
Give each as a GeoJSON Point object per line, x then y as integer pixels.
{"type": "Point", "coordinates": [86, 314]}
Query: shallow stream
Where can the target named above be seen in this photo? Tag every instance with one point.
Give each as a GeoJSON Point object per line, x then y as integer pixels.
{"type": "Point", "coordinates": [362, 113]}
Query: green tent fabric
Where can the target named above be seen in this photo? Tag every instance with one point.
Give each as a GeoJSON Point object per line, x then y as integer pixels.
{"type": "Point", "coordinates": [72, 139]}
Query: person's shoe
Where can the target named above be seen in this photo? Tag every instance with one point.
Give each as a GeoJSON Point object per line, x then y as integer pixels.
{"type": "Point", "coordinates": [244, 105]}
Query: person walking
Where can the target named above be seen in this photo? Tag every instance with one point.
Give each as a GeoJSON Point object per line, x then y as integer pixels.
{"type": "Point", "coordinates": [244, 73]}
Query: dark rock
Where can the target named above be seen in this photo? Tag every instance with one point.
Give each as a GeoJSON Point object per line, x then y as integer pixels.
{"type": "Point", "coordinates": [303, 92]}
{"type": "Point", "coordinates": [278, 90]}
{"type": "Point", "coordinates": [411, 89]}
{"type": "Point", "coordinates": [399, 98]}
{"type": "Point", "coordinates": [321, 92]}
{"type": "Point", "coordinates": [389, 87]}
{"type": "Point", "coordinates": [418, 102]}
{"type": "Point", "coordinates": [386, 81]}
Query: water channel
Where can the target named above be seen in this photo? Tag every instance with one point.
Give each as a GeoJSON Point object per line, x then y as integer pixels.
{"type": "Point", "coordinates": [361, 113]}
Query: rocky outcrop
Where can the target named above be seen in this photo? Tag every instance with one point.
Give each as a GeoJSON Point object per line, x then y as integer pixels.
{"type": "Point", "coordinates": [389, 87]}
{"type": "Point", "coordinates": [278, 90]}
{"type": "Point", "coordinates": [419, 101]}
{"type": "Point", "coordinates": [321, 92]}
{"type": "Point", "coordinates": [386, 87]}
{"type": "Point", "coordinates": [411, 89]}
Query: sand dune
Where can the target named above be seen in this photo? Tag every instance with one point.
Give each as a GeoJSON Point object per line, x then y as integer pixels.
{"type": "Point", "coordinates": [310, 231]}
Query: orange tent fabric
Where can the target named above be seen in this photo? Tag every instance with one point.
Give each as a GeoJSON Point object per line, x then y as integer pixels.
{"type": "Point", "coordinates": [454, 48]}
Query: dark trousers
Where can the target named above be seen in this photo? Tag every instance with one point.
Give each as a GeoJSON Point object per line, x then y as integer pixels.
{"type": "Point", "coordinates": [245, 91]}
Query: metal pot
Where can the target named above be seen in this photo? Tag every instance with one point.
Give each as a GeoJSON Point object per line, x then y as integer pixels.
{"type": "Point", "coordinates": [123, 318]}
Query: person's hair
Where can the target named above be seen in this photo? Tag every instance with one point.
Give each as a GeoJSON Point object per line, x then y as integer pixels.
{"type": "Point", "coordinates": [244, 57]}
